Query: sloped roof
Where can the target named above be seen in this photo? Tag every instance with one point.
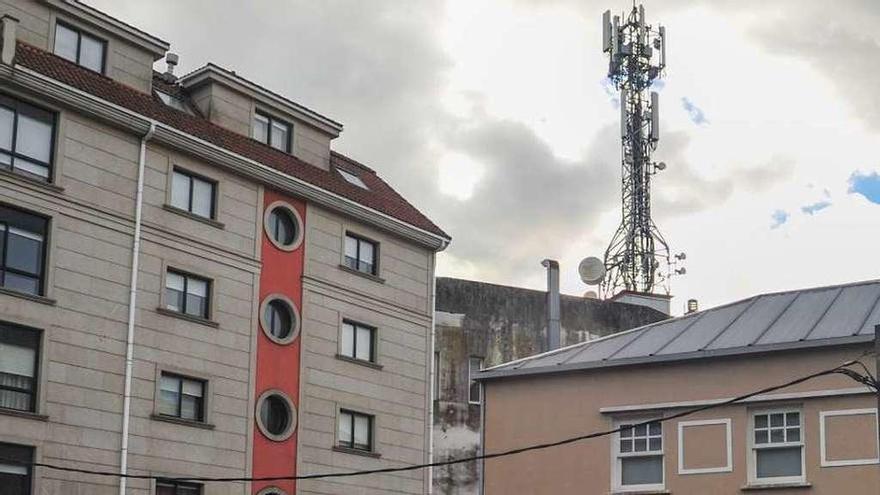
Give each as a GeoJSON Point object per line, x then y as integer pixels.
{"type": "Point", "coordinates": [833, 315]}
{"type": "Point", "coordinates": [379, 195]}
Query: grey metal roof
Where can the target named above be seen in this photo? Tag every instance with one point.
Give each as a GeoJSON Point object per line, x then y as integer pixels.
{"type": "Point", "coordinates": [834, 315]}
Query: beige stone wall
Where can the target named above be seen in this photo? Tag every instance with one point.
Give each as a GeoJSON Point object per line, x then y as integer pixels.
{"type": "Point", "coordinates": [559, 406]}
{"type": "Point", "coordinates": [398, 393]}
{"type": "Point", "coordinates": [83, 319]}
{"type": "Point", "coordinates": [126, 63]}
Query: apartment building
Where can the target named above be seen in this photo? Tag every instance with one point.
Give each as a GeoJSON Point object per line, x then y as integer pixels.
{"type": "Point", "coordinates": [192, 282]}
{"type": "Point", "coordinates": [816, 437]}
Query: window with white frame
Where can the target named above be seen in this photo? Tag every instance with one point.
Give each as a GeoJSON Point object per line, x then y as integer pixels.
{"type": "Point", "coordinates": [358, 341]}
{"type": "Point", "coordinates": [777, 446]}
{"type": "Point", "coordinates": [475, 391]}
{"type": "Point", "coordinates": [639, 456]}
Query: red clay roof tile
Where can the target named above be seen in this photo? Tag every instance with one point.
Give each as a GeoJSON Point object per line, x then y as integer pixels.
{"type": "Point", "coordinates": [380, 196]}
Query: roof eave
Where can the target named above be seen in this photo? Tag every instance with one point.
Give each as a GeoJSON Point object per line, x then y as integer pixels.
{"type": "Point", "coordinates": [31, 80]}
{"type": "Point", "coordinates": [211, 72]}
{"type": "Point", "coordinates": [493, 374]}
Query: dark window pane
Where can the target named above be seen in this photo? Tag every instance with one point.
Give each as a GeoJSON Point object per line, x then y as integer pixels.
{"type": "Point", "coordinates": [793, 435]}
{"type": "Point", "coordinates": [774, 463]}
{"type": "Point", "coordinates": [351, 262]}
{"type": "Point", "coordinates": [761, 436]}
{"type": "Point", "coordinates": [91, 53]}
{"type": "Point", "coordinates": [761, 421]}
{"type": "Point", "coordinates": [776, 419]}
{"type": "Point", "coordinates": [275, 415]}
{"type": "Point", "coordinates": [655, 444]}
{"type": "Point", "coordinates": [24, 251]}
{"type": "Point", "coordinates": [626, 446]}
{"type": "Point", "coordinates": [283, 227]}
{"type": "Point", "coordinates": [793, 419]}
{"type": "Point", "coordinates": [777, 436]}
{"type": "Point", "coordinates": [21, 283]}
{"type": "Point", "coordinates": [641, 470]}
{"type": "Point", "coordinates": [65, 42]}
{"type": "Point", "coordinates": [190, 408]}
{"type": "Point", "coordinates": [15, 478]}
{"type": "Point", "coordinates": [655, 428]}
{"type": "Point", "coordinates": [196, 305]}
{"type": "Point", "coordinates": [279, 319]}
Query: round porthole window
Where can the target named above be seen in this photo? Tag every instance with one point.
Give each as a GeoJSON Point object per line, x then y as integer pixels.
{"type": "Point", "coordinates": [283, 226]}
{"type": "Point", "coordinates": [279, 319]}
{"type": "Point", "coordinates": [272, 490]}
{"type": "Point", "coordinates": [276, 416]}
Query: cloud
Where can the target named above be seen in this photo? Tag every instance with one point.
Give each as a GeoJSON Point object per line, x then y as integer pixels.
{"type": "Point", "coordinates": [812, 209]}
{"type": "Point", "coordinates": [778, 217]}
{"type": "Point", "coordinates": [695, 113]}
{"type": "Point", "coordinates": [866, 184]}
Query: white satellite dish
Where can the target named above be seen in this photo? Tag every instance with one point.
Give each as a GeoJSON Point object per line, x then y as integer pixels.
{"type": "Point", "coordinates": [591, 270]}
{"type": "Point", "coordinates": [591, 294]}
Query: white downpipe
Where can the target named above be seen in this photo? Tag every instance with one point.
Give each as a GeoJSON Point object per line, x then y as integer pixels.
{"type": "Point", "coordinates": [434, 393]}
{"type": "Point", "coordinates": [132, 299]}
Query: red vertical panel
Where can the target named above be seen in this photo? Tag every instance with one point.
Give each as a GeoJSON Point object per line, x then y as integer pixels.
{"type": "Point", "coordinates": [278, 365]}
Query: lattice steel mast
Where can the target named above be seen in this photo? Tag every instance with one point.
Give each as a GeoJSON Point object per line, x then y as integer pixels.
{"type": "Point", "coordinates": [638, 258]}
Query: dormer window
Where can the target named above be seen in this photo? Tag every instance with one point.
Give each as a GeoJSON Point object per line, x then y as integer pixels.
{"type": "Point", "coordinates": [173, 102]}
{"type": "Point", "coordinates": [80, 48]}
{"type": "Point", "coordinates": [274, 132]}
{"type": "Point", "coordinates": [352, 178]}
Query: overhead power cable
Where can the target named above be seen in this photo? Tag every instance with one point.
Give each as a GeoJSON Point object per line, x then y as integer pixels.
{"type": "Point", "coordinates": [844, 369]}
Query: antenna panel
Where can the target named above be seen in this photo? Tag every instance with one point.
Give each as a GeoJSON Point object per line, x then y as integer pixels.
{"type": "Point", "coordinates": [623, 126]}
{"type": "Point", "coordinates": [655, 116]}
{"type": "Point", "coordinates": [606, 31]}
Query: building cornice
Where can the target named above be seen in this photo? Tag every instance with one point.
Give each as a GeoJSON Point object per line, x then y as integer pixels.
{"type": "Point", "coordinates": [30, 80]}
{"type": "Point", "coordinates": [211, 72]}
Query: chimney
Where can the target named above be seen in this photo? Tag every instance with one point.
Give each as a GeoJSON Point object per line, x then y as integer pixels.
{"type": "Point", "coordinates": [553, 328]}
{"type": "Point", "coordinates": [172, 60]}
{"type": "Point", "coordinates": [7, 54]}
{"type": "Point", "coordinates": [693, 306]}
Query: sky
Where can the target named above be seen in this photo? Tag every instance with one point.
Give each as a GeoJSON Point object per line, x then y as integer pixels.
{"type": "Point", "coordinates": [495, 118]}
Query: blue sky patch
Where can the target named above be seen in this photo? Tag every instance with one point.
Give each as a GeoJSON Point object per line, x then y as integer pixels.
{"type": "Point", "coordinates": [694, 112]}
{"type": "Point", "coordinates": [778, 218]}
{"type": "Point", "coordinates": [818, 206]}
{"type": "Point", "coordinates": [866, 184]}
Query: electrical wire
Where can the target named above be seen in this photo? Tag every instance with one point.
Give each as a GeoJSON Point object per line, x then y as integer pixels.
{"type": "Point", "coordinates": [843, 369]}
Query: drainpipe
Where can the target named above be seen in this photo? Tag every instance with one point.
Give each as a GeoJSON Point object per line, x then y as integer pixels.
{"type": "Point", "coordinates": [553, 327]}
{"type": "Point", "coordinates": [434, 393]}
{"type": "Point", "coordinates": [132, 300]}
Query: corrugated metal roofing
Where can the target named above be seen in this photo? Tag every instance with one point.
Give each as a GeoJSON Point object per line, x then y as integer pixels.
{"type": "Point", "coordinates": [831, 315]}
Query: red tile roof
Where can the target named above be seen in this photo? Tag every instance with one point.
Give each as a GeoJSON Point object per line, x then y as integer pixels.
{"type": "Point", "coordinates": [380, 196]}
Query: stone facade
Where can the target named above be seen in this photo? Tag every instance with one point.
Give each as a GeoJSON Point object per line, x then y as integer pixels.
{"type": "Point", "coordinates": [80, 315]}
{"type": "Point", "coordinates": [499, 324]}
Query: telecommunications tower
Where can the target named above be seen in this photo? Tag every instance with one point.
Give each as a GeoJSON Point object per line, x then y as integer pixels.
{"type": "Point", "coordinates": [638, 258]}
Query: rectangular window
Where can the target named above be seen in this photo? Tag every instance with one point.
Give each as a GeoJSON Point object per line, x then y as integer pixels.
{"type": "Point", "coordinates": [170, 487]}
{"type": "Point", "coordinates": [187, 294]}
{"type": "Point", "coordinates": [274, 132]}
{"type": "Point", "coordinates": [22, 250]}
{"type": "Point", "coordinates": [27, 135]}
{"type": "Point", "coordinates": [355, 430]}
{"type": "Point", "coordinates": [777, 446]}
{"type": "Point", "coordinates": [19, 355]}
{"type": "Point", "coordinates": [360, 254]}
{"type": "Point", "coordinates": [475, 391]}
{"type": "Point", "coordinates": [182, 397]}
{"type": "Point", "coordinates": [193, 194]}
{"type": "Point", "coordinates": [358, 341]}
{"type": "Point", "coordinates": [15, 469]}
{"type": "Point", "coordinates": [639, 452]}
{"type": "Point", "coordinates": [80, 48]}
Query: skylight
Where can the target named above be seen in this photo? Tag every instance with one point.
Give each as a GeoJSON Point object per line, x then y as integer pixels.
{"type": "Point", "coordinates": [352, 178]}
{"type": "Point", "coordinates": [173, 102]}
